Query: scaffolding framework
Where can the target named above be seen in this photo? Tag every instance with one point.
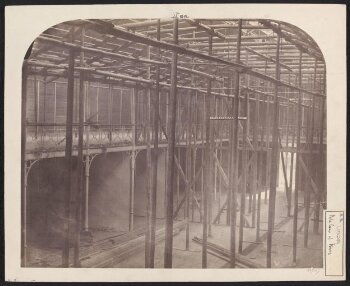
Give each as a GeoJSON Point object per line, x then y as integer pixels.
{"type": "Point", "coordinates": [239, 96]}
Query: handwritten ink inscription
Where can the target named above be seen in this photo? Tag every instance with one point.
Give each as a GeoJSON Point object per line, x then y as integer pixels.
{"type": "Point", "coordinates": [334, 242]}
{"type": "Point", "coordinates": [179, 15]}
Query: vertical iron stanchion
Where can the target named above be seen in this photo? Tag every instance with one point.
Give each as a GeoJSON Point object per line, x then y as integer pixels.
{"type": "Point", "coordinates": [267, 143]}
{"type": "Point", "coordinates": [258, 165]}
{"type": "Point", "coordinates": [80, 160]}
{"type": "Point", "coordinates": [208, 160]}
{"type": "Point", "coordinates": [309, 162]}
{"type": "Point", "coordinates": [211, 143]}
{"type": "Point", "coordinates": [68, 158]}
{"type": "Point", "coordinates": [208, 156]}
{"type": "Point", "coordinates": [147, 99]}
{"type": "Point", "coordinates": [297, 164]}
{"type": "Point", "coordinates": [134, 95]}
{"type": "Point", "coordinates": [170, 155]}
{"type": "Point", "coordinates": [244, 175]}
{"type": "Point", "coordinates": [155, 159]}
{"type": "Point", "coordinates": [274, 158]}
{"type": "Point", "coordinates": [234, 153]}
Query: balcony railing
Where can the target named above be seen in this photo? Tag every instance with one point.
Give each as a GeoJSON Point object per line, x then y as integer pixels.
{"type": "Point", "coordinates": [46, 137]}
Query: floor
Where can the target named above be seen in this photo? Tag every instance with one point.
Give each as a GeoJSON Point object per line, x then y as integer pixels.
{"type": "Point", "coordinates": [281, 252]}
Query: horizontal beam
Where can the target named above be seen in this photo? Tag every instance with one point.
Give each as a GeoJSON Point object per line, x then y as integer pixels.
{"type": "Point", "coordinates": [209, 30]}
{"type": "Point", "coordinates": [267, 58]}
{"type": "Point", "coordinates": [142, 24]}
{"type": "Point", "coordinates": [123, 57]}
{"type": "Point", "coordinates": [106, 27]}
{"type": "Point", "coordinates": [289, 38]}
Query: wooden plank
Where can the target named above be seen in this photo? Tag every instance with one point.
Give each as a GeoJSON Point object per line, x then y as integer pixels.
{"type": "Point", "coordinates": [124, 250]}
{"type": "Point", "coordinates": [225, 252]}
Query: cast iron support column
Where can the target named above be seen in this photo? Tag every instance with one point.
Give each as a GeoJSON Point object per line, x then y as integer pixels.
{"type": "Point", "coordinates": [68, 158]}
{"type": "Point", "coordinates": [86, 189]}
{"type": "Point", "coordinates": [80, 160]}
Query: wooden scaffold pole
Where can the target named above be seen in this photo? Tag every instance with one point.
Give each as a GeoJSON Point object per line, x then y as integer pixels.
{"type": "Point", "coordinates": [147, 100]}
{"type": "Point", "coordinates": [244, 175]}
{"type": "Point", "coordinates": [320, 171]}
{"type": "Point", "coordinates": [170, 155]}
{"type": "Point", "coordinates": [155, 160]}
{"type": "Point", "coordinates": [234, 154]}
{"type": "Point", "coordinates": [274, 158]}
{"type": "Point", "coordinates": [297, 165]}
{"type": "Point", "coordinates": [207, 163]}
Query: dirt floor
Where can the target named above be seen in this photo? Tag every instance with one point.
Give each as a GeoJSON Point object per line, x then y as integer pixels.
{"type": "Point", "coordinates": [105, 239]}
{"type": "Point", "coordinates": [282, 244]}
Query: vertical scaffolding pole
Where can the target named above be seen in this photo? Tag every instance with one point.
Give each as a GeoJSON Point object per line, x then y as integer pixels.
{"type": "Point", "coordinates": [87, 164]}
{"type": "Point", "coordinates": [259, 169]}
{"type": "Point", "coordinates": [207, 187]}
{"type": "Point", "coordinates": [291, 170]}
{"type": "Point", "coordinates": [132, 159]}
{"type": "Point", "coordinates": [170, 155]}
{"type": "Point", "coordinates": [230, 158]}
{"type": "Point", "coordinates": [309, 166]}
{"type": "Point", "coordinates": [221, 156]}
{"type": "Point", "coordinates": [194, 153]}
{"type": "Point", "coordinates": [211, 139]}
{"type": "Point", "coordinates": [202, 158]}
{"type": "Point", "coordinates": [321, 166]}
{"type": "Point", "coordinates": [244, 175]}
{"type": "Point", "coordinates": [147, 96]}
{"type": "Point", "coordinates": [155, 160]}
{"type": "Point", "coordinates": [297, 165]}
{"type": "Point", "coordinates": [188, 171]}
{"type": "Point", "coordinates": [234, 153]}
{"type": "Point", "coordinates": [68, 157]}
{"type": "Point", "coordinates": [267, 124]}
{"type": "Point", "coordinates": [274, 159]}
{"type": "Point", "coordinates": [80, 160]}
{"type": "Point", "coordinates": [208, 155]}
{"type": "Point", "coordinates": [255, 162]}
{"type": "Point", "coordinates": [23, 168]}
{"type": "Point", "coordinates": [202, 163]}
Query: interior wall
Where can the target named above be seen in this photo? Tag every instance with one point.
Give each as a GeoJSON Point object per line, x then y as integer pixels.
{"type": "Point", "coordinates": [45, 207]}
{"type": "Point", "coordinates": [109, 191]}
{"type": "Point", "coordinates": [141, 184]}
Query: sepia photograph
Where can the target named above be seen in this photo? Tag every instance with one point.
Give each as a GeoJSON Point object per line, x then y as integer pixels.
{"type": "Point", "coordinates": [175, 142]}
